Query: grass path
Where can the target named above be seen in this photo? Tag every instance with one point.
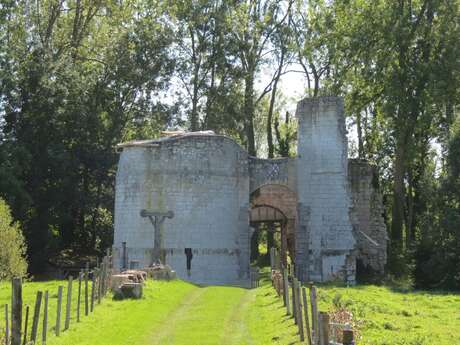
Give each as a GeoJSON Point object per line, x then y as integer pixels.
{"type": "Point", "coordinates": [163, 332]}
{"type": "Point", "coordinates": [236, 321]}
{"type": "Point", "coordinates": [209, 315]}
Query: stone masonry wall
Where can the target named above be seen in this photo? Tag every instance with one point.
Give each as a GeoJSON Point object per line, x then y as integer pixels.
{"type": "Point", "coordinates": [367, 215]}
{"type": "Point", "coordinates": [204, 181]}
{"type": "Point", "coordinates": [324, 237]}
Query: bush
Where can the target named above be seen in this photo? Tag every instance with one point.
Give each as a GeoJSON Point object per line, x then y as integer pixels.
{"type": "Point", "coordinates": [12, 246]}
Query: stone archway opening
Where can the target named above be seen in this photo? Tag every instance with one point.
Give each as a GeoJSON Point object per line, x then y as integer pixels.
{"type": "Point", "coordinates": [273, 216]}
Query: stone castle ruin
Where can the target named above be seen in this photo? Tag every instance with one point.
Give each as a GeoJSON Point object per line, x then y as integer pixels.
{"type": "Point", "coordinates": [192, 201]}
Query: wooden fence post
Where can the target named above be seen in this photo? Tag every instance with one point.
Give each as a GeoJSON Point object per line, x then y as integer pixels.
{"type": "Point", "coordinates": [272, 258]}
{"type": "Point", "coordinates": [7, 326]}
{"type": "Point", "coordinates": [103, 269]}
{"type": "Point", "coordinates": [45, 319]}
{"type": "Point", "coordinates": [93, 289]}
{"type": "Point", "coordinates": [314, 315]}
{"type": "Point", "coordinates": [26, 322]}
{"type": "Point", "coordinates": [299, 311]}
{"type": "Point", "coordinates": [294, 309]}
{"type": "Point", "coordinates": [305, 310]}
{"type": "Point", "coordinates": [86, 289]}
{"type": "Point", "coordinates": [324, 329]}
{"type": "Point", "coordinates": [99, 285]}
{"type": "Point", "coordinates": [347, 337]}
{"type": "Point", "coordinates": [16, 311]}
{"type": "Point", "coordinates": [68, 304]}
{"type": "Point", "coordinates": [38, 303]}
{"type": "Point", "coordinates": [79, 297]}
{"type": "Point", "coordinates": [282, 280]}
{"type": "Point", "coordinates": [58, 314]}
{"type": "Point", "coordinates": [286, 292]}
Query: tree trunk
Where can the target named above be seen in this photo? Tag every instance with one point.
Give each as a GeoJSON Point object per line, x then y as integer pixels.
{"type": "Point", "coordinates": [360, 135]}
{"type": "Point", "coordinates": [271, 147]}
{"type": "Point", "coordinates": [398, 192]}
{"type": "Point", "coordinates": [249, 112]}
{"type": "Point", "coordinates": [410, 210]}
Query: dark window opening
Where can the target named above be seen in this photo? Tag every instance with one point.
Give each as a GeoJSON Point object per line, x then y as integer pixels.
{"type": "Point", "coordinates": [189, 256]}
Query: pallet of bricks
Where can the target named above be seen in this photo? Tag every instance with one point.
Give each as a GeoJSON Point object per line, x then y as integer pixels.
{"type": "Point", "coordinates": [24, 327]}
{"type": "Point", "coordinates": [315, 327]}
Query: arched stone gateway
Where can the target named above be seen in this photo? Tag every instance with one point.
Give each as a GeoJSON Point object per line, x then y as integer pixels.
{"type": "Point", "coordinates": [277, 204]}
{"type": "Point", "coordinates": [189, 200]}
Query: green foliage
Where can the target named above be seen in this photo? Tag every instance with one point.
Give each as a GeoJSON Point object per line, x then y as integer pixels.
{"type": "Point", "coordinates": [13, 262]}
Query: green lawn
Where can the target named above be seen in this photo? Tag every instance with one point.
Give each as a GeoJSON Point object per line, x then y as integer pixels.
{"type": "Point", "coordinates": [176, 313]}
{"type": "Point", "coordinates": [395, 318]}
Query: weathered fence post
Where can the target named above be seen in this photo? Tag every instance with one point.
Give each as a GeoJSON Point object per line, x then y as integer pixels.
{"type": "Point", "coordinates": [45, 319]}
{"type": "Point", "coordinates": [93, 289]}
{"type": "Point", "coordinates": [38, 303]}
{"type": "Point", "coordinates": [79, 297]}
{"type": "Point", "coordinates": [7, 326]}
{"type": "Point", "coordinates": [99, 285]}
{"type": "Point", "coordinates": [286, 291]}
{"type": "Point", "coordinates": [294, 309]}
{"type": "Point", "coordinates": [299, 310]}
{"type": "Point", "coordinates": [305, 309]}
{"type": "Point", "coordinates": [272, 258]}
{"type": "Point", "coordinates": [324, 329]}
{"type": "Point", "coordinates": [348, 337]}
{"type": "Point", "coordinates": [68, 304]}
{"type": "Point", "coordinates": [282, 281]}
{"type": "Point", "coordinates": [16, 311]}
{"type": "Point", "coordinates": [58, 314]}
{"type": "Point", "coordinates": [86, 289]}
{"type": "Point", "coordinates": [26, 322]}
{"type": "Point", "coordinates": [314, 314]}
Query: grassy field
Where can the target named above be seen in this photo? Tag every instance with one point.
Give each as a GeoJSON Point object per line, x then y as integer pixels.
{"type": "Point", "coordinates": [389, 317]}
{"type": "Point", "coordinates": [176, 313]}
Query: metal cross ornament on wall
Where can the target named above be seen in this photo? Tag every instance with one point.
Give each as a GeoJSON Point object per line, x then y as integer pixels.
{"type": "Point", "coordinates": [157, 218]}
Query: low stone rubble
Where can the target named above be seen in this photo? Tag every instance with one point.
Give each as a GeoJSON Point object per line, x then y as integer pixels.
{"type": "Point", "coordinates": [128, 284]}
{"type": "Point", "coordinates": [161, 272]}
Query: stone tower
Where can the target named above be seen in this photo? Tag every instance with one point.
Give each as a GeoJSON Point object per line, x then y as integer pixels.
{"type": "Point", "coordinates": [324, 236]}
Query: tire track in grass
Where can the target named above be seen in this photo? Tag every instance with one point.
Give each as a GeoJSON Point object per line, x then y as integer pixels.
{"type": "Point", "coordinates": [208, 316]}
{"type": "Point", "coordinates": [235, 328]}
{"type": "Point", "coordinates": [162, 332]}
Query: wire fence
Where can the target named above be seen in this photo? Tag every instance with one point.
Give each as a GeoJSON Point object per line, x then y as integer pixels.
{"type": "Point", "coordinates": [55, 313]}
{"type": "Point", "coordinates": [315, 327]}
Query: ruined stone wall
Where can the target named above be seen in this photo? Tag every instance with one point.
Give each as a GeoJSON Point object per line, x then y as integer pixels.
{"type": "Point", "coordinates": [204, 180]}
{"type": "Point", "coordinates": [278, 171]}
{"type": "Point", "coordinates": [367, 215]}
{"type": "Point", "coordinates": [324, 238]}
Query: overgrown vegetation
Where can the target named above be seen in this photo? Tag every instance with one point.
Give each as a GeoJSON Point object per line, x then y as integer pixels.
{"type": "Point", "coordinates": [12, 249]}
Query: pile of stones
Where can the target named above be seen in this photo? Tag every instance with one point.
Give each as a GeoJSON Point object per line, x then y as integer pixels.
{"type": "Point", "coordinates": [160, 272]}
{"type": "Point", "coordinates": [128, 284]}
